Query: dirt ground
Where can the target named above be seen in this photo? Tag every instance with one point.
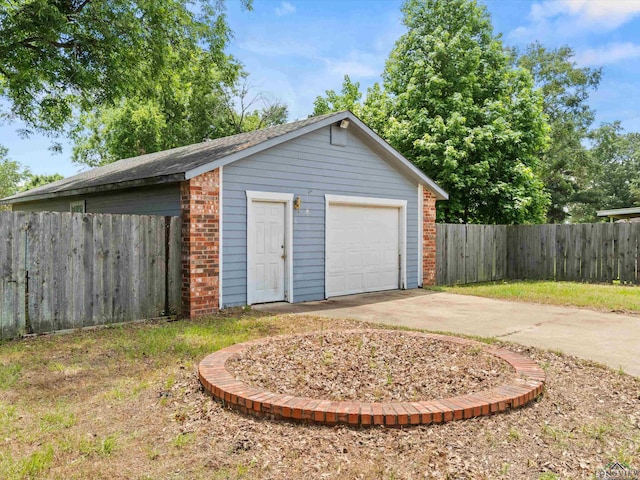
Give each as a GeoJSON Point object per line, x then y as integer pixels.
{"type": "Point", "coordinates": [126, 403]}
{"type": "Point", "coordinates": [376, 366]}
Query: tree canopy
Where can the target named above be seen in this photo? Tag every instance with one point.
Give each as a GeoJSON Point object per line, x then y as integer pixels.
{"type": "Point", "coordinates": [37, 180]}
{"type": "Point", "coordinates": [196, 104]}
{"type": "Point", "coordinates": [566, 166]}
{"type": "Point", "coordinates": [453, 103]}
{"type": "Point", "coordinates": [615, 181]}
{"type": "Point", "coordinates": [464, 115]}
{"type": "Point", "coordinates": [12, 174]}
{"type": "Point", "coordinates": [126, 77]}
{"type": "Point", "coordinates": [348, 99]}
{"type": "Point", "coordinates": [61, 55]}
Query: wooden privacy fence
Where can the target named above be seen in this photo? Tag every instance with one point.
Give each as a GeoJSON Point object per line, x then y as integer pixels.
{"type": "Point", "coordinates": [598, 253]}
{"type": "Point", "coordinates": [60, 270]}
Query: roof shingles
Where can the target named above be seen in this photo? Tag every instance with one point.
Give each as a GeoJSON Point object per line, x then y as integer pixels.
{"type": "Point", "coordinates": [167, 165]}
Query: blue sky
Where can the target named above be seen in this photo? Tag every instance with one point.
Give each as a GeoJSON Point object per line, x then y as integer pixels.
{"type": "Point", "coordinates": [294, 50]}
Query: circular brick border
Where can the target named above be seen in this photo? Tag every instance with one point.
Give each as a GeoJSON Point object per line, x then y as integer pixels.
{"type": "Point", "coordinates": [526, 385]}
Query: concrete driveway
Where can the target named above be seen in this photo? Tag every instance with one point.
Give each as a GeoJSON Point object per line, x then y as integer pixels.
{"type": "Point", "coordinates": [609, 338]}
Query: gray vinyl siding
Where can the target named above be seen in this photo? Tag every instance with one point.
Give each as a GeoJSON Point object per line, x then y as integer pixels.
{"type": "Point", "coordinates": [154, 200]}
{"type": "Point", "coordinates": [308, 167]}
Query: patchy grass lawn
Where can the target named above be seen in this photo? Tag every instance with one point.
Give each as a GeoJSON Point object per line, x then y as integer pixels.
{"type": "Point", "coordinates": [620, 298]}
{"type": "Point", "coordinates": [125, 403]}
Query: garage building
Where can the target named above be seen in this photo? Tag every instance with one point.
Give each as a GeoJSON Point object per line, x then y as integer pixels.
{"type": "Point", "coordinates": [305, 211]}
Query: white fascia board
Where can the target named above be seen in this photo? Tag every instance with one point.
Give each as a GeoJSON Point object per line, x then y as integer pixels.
{"type": "Point", "coordinates": [365, 201]}
{"type": "Point", "coordinates": [264, 145]}
{"type": "Point", "coordinates": [270, 196]}
{"type": "Point", "coordinates": [618, 211]}
{"type": "Point", "coordinates": [420, 234]}
{"type": "Point", "coordinates": [220, 239]}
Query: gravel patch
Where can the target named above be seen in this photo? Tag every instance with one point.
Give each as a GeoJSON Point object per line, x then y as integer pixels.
{"type": "Point", "coordinates": [375, 366]}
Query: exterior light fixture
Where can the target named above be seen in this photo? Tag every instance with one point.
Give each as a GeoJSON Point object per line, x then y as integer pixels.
{"type": "Point", "coordinates": [297, 203]}
{"type": "Point", "coordinates": [344, 124]}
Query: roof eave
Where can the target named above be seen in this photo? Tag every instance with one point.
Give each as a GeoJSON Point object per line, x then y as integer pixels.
{"type": "Point", "coordinates": [95, 189]}
{"type": "Point", "coordinates": [619, 212]}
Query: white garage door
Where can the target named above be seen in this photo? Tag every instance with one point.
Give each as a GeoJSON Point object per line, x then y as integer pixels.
{"type": "Point", "coordinates": [362, 249]}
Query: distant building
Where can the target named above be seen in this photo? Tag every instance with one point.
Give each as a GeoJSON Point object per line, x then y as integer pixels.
{"type": "Point", "coordinates": [622, 214]}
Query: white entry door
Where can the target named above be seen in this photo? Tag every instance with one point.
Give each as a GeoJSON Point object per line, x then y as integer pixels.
{"type": "Point", "coordinates": [268, 258]}
{"type": "Point", "coordinates": [363, 248]}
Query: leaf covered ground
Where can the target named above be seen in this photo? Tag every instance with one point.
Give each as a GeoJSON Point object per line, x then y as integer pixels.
{"type": "Point", "coordinates": [372, 366]}
{"type": "Point", "coordinates": [125, 402]}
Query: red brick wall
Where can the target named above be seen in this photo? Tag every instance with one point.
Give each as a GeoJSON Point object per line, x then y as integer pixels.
{"type": "Point", "coordinates": [200, 206]}
{"type": "Point", "coordinates": [428, 238]}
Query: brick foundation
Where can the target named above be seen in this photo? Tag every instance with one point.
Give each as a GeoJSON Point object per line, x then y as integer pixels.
{"type": "Point", "coordinates": [200, 206]}
{"type": "Point", "coordinates": [428, 238]}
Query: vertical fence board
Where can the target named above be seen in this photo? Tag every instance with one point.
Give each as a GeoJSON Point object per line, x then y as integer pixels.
{"type": "Point", "coordinates": [626, 253]}
{"type": "Point", "coordinates": [117, 267]}
{"type": "Point", "coordinates": [501, 252]}
{"type": "Point", "coordinates": [160, 260]}
{"type": "Point", "coordinates": [636, 227]}
{"type": "Point", "coordinates": [636, 230]}
{"type": "Point", "coordinates": [64, 269]}
{"type": "Point", "coordinates": [603, 252]}
{"type": "Point", "coordinates": [12, 276]}
{"type": "Point", "coordinates": [98, 227]}
{"type": "Point", "coordinates": [7, 305]}
{"type": "Point", "coordinates": [107, 269]}
{"type": "Point", "coordinates": [53, 240]}
{"type": "Point", "coordinates": [472, 251]}
{"type": "Point", "coordinates": [75, 267]}
{"type": "Point", "coordinates": [33, 255]}
{"type": "Point", "coordinates": [511, 247]}
{"type": "Point", "coordinates": [8, 312]}
{"type": "Point", "coordinates": [441, 254]}
{"type": "Point", "coordinates": [85, 269]}
{"type": "Point", "coordinates": [175, 265]}
{"type": "Point", "coordinates": [460, 235]}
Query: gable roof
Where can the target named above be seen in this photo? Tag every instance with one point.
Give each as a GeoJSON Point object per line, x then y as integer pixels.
{"type": "Point", "coordinates": [183, 163]}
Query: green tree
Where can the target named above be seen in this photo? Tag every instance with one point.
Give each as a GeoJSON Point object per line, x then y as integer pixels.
{"type": "Point", "coordinates": [12, 174]}
{"type": "Point", "coordinates": [196, 103]}
{"type": "Point", "coordinates": [455, 105]}
{"type": "Point", "coordinates": [32, 181]}
{"type": "Point", "coordinates": [566, 167]}
{"type": "Point", "coordinates": [372, 110]}
{"type": "Point", "coordinates": [349, 99]}
{"type": "Point", "coordinates": [614, 184]}
{"type": "Point", "coordinates": [61, 55]}
{"type": "Point", "coordinates": [246, 111]}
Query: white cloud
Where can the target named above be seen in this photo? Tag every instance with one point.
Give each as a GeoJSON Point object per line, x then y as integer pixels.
{"type": "Point", "coordinates": [285, 8]}
{"type": "Point", "coordinates": [606, 14]}
{"type": "Point", "coordinates": [608, 54]}
{"type": "Point", "coordinates": [563, 19]}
